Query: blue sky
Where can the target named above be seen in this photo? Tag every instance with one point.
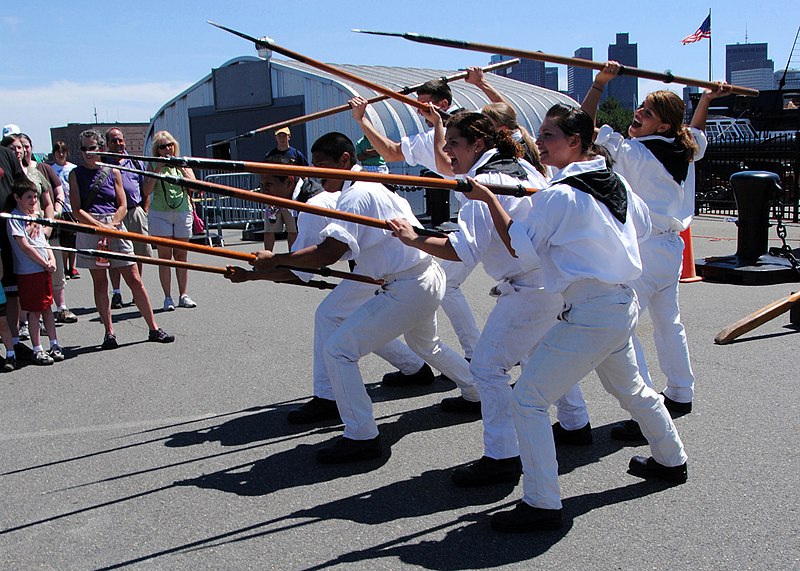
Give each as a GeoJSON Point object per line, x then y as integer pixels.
{"type": "Point", "coordinates": [61, 60]}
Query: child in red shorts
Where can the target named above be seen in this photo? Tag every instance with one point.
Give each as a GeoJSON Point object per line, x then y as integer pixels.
{"type": "Point", "coordinates": [34, 265]}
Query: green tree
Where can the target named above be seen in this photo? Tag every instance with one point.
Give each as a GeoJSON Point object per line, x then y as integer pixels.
{"type": "Point", "coordinates": [612, 113]}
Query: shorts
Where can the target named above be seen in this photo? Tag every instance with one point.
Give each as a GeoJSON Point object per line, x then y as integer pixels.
{"type": "Point", "coordinates": [85, 240]}
{"type": "Point", "coordinates": [170, 224]}
{"type": "Point", "coordinates": [35, 291]}
{"type": "Point", "coordinates": [136, 221]}
{"type": "Point", "coordinates": [283, 218]}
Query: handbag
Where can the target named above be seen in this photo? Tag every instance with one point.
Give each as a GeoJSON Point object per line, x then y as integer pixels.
{"type": "Point", "coordinates": [198, 226]}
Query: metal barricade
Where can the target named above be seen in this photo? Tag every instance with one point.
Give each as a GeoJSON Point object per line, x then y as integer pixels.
{"type": "Point", "coordinates": [221, 212]}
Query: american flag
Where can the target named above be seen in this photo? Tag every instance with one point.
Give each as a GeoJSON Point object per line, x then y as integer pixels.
{"type": "Point", "coordinates": [704, 31]}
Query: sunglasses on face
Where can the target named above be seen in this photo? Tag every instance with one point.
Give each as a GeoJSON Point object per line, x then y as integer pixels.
{"type": "Point", "coordinates": [163, 146]}
{"type": "Point", "coordinates": [89, 149]}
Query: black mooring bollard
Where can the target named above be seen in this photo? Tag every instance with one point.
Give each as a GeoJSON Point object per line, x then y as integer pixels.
{"type": "Point", "coordinates": [753, 191]}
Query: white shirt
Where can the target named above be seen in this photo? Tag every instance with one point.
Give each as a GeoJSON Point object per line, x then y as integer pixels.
{"type": "Point", "coordinates": [310, 225]}
{"type": "Point", "coordinates": [376, 252]}
{"type": "Point", "coordinates": [418, 149]}
{"type": "Point", "coordinates": [576, 237]}
{"type": "Point", "coordinates": [671, 204]}
{"type": "Point", "coordinates": [477, 240]}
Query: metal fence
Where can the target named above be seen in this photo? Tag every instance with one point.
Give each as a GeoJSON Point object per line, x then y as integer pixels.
{"type": "Point", "coordinates": [221, 212]}
{"type": "Point", "coordinates": [779, 154]}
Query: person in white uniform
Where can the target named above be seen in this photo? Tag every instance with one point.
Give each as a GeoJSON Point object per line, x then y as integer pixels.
{"type": "Point", "coordinates": [406, 304]}
{"type": "Point", "coordinates": [657, 159]}
{"type": "Point", "coordinates": [339, 303]}
{"type": "Point", "coordinates": [584, 231]}
{"type": "Point", "coordinates": [523, 312]}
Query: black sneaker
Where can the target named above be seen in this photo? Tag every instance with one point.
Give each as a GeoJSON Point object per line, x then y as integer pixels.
{"type": "Point", "coordinates": [627, 431]}
{"type": "Point", "coordinates": [23, 352]}
{"type": "Point", "coordinates": [397, 379]}
{"type": "Point", "coordinates": [578, 437]}
{"type": "Point", "coordinates": [487, 471]}
{"type": "Point", "coordinates": [348, 450]}
{"type": "Point", "coordinates": [460, 405]}
{"type": "Point", "coordinates": [160, 336]}
{"type": "Point", "coordinates": [315, 410]}
{"type": "Point", "coordinates": [109, 342]}
{"type": "Point", "coordinates": [648, 468]}
{"type": "Point", "coordinates": [676, 409]}
{"type": "Point", "coordinates": [116, 301]}
{"type": "Point", "coordinates": [56, 353]}
{"type": "Point", "coordinates": [524, 518]}
{"type": "Point", "coordinates": [9, 364]}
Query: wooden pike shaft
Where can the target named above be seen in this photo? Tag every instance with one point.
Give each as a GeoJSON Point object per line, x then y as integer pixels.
{"type": "Point", "coordinates": [269, 44]}
{"type": "Point", "coordinates": [666, 77]}
{"type": "Point", "coordinates": [346, 107]}
{"type": "Point", "coordinates": [457, 185]}
{"type": "Point", "coordinates": [756, 319]}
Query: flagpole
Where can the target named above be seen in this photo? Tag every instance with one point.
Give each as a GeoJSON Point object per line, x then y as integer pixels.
{"type": "Point", "coordinates": [709, 44]}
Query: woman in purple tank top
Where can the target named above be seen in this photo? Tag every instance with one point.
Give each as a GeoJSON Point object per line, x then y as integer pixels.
{"type": "Point", "coordinates": [98, 199]}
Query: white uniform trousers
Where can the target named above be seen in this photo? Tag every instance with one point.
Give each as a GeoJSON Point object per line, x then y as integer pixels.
{"type": "Point", "coordinates": [342, 301]}
{"type": "Point", "coordinates": [405, 305]}
{"type": "Point", "coordinates": [456, 307]}
{"type": "Point", "coordinates": [593, 332]}
{"type": "Point", "coordinates": [519, 319]}
{"type": "Point", "coordinates": [657, 291]}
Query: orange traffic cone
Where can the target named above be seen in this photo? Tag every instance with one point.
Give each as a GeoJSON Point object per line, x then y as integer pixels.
{"type": "Point", "coordinates": [688, 273]}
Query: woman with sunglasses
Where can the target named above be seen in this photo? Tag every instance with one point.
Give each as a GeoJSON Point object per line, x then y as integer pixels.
{"type": "Point", "coordinates": [98, 199]}
{"type": "Point", "coordinates": [170, 216]}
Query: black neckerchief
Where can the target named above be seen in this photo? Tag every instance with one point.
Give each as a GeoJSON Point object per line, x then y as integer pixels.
{"type": "Point", "coordinates": [605, 187]}
{"type": "Point", "coordinates": [505, 165]}
{"type": "Point", "coordinates": [670, 156]}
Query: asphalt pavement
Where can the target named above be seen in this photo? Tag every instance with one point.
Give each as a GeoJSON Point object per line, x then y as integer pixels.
{"type": "Point", "coordinates": [179, 457]}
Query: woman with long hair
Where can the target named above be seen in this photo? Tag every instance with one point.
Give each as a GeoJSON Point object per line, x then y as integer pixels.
{"type": "Point", "coordinates": [170, 216]}
{"type": "Point", "coordinates": [584, 230]}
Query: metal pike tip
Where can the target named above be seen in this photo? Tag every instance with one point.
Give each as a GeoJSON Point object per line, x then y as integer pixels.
{"type": "Point", "coordinates": [374, 33]}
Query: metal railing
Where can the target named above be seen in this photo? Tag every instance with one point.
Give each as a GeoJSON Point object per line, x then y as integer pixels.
{"type": "Point", "coordinates": [222, 212]}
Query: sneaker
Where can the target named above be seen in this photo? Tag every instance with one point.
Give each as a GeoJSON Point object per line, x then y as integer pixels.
{"type": "Point", "coordinates": [315, 410]}
{"type": "Point", "coordinates": [160, 336]}
{"type": "Point", "coordinates": [487, 471]}
{"type": "Point", "coordinates": [42, 358]}
{"type": "Point", "coordinates": [23, 352]}
{"type": "Point", "coordinates": [169, 305]}
{"type": "Point", "coordinates": [65, 316]}
{"type": "Point", "coordinates": [186, 301]}
{"type": "Point", "coordinates": [109, 342]}
{"type": "Point", "coordinates": [9, 364]}
{"type": "Point", "coordinates": [424, 376]}
{"type": "Point", "coordinates": [56, 354]}
{"type": "Point", "coordinates": [74, 274]}
{"type": "Point", "coordinates": [24, 333]}
{"type": "Point", "coordinates": [116, 301]}
{"type": "Point", "coordinates": [627, 431]}
{"type": "Point", "coordinates": [648, 468]}
{"type": "Point", "coordinates": [524, 518]}
{"type": "Point", "coordinates": [348, 450]}
{"type": "Point", "coordinates": [460, 404]}
{"type": "Point", "coordinates": [578, 437]}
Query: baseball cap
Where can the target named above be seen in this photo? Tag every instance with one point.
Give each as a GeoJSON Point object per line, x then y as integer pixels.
{"type": "Point", "coordinates": [283, 130]}
{"type": "Point", "coordinates": [11, 129]}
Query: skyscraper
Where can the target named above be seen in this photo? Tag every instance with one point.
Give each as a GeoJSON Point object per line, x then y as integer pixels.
{"type": "Point", "coordinates": [579, 79]}
{"type": "Point", "coordinates": [551, 78]}
{"type": "Point", "coordinates": [751, 58]}
{"type": "Point", "coordinates": [528, 70]}
{"type": "Point", "coordinates": [624, 89]}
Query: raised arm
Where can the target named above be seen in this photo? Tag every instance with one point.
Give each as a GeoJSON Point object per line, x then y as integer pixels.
{"type": "Point", "coordinates": [476, 77]}
{"type": "Point", "coordinates": [391, 151]}
{"type": "Point", "coordinates": [443, 165]}
{"type": "Point", "coordinates": [701, 111]}
{"type": "Point", "coordinates": [592, 100]}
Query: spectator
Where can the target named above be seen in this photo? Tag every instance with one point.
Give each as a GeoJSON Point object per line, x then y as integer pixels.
{"type": "Point", "coordinates": [282, 149]}
{"type": "Point", "coordinates": [370, 159]}
{"type": "Point", "coordinates": [279, 219]}
{"type": "Point", "coordinates": [62, 167]}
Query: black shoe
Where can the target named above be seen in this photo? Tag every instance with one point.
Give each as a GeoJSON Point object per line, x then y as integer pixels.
{"type": "Point", "coordinates": [397, 379]}
{"type": "Point", "coordinates": [315, 410]}
{"type": "Point", "coordinates": [9, 364]}
{"type": "Point", "coordinates": [23, 352]}
{"type": "Point", "coordinates": [160, 336]}
{"type": "Point", "coordinates": [109, 342]}
{"type": "Point", "coordinates": [578, 437]}
{"type": "Point", "coordinates": [442, 378]}
{"type": "Point", "coordinates": [116, 301]}
{"type": "Point", "coordinates": [487, 471]}
{"type": "Point", "coordinates": [627, 431]}
{"type": "Point", "coordinates": [524, 518]}
{"type": "Point", "coordinates": [460, 404]}
{"type": "Point", "coordinates": [676, 408]}
{"type": "Point", "coordinates": [648, 468]}
{"type": "Point", "coordinates": [348, 450]}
